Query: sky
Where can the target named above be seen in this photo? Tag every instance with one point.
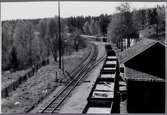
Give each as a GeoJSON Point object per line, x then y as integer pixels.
{"type": "Point", "coordinates": [33, 10]}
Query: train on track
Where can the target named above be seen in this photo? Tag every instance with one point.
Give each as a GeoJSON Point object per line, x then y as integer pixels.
{"type": "Point", "coordinates": [104, 97]}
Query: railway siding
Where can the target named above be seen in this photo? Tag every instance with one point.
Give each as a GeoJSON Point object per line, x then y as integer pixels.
{"type": "Point", "coordinates": [54, 105]}
{"type": "Point", "coordinates": [78, 99]}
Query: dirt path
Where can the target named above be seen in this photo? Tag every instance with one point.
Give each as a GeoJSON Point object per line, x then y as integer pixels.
{"type": "Point", "coordinates": [78, 99]}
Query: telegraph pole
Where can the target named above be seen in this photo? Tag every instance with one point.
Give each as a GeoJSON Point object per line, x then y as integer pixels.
{"type": "Point", "coordinates": [59, 32]}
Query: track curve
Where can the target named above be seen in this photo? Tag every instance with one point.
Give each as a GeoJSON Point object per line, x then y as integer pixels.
{"type": "Point", "coordinates": [87, 65]}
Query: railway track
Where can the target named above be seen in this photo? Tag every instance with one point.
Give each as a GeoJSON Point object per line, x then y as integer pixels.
{"type": "Point", "coordinates": [79, 74]}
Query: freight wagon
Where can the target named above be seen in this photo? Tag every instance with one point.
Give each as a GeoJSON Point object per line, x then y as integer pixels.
{"type": "Point", "coordinates": [104, 96]}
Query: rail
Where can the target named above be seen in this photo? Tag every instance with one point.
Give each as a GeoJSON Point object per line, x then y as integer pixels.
{"type": "Point", "coordinates": [78, 75]}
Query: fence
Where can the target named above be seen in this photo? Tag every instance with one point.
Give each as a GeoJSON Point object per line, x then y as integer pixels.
{"type": "Point", "coordinates": [14, 85]}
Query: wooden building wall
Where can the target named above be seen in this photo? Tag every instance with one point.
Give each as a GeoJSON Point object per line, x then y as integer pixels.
{"type": "Point", "coordinates": [146, 97]}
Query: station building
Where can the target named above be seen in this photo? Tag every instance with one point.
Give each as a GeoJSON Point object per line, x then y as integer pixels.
{"type": "Point", "coordinates": [144, 72]}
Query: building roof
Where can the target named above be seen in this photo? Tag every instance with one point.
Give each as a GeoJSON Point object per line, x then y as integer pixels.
{"type": "Point", "coordinates": [133, 51]}
{"type": "Point", "coordinates": [132, 74]}
{"type": "Point", "coordinates": [138, 48]}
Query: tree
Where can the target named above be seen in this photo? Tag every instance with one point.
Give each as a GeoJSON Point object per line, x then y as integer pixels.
{"type": "Point", "coordinates": [115, 29]}
{"type": "Point", "coordinates": [154, 20]}
{"type": "Point", "coordinates": [29, 31]}
{"type": "Point", "coordinates": [92, 27]}
{"type": "Point", "coordinates": [161, 15]}
{"type": "Point", "coordinates": [70, 24]}
{"type": "Point", "coordinates": [121, 25]}
{"type": "Point", "coordinates": [49, 34]}
{"type": "Point", "coordinates": [86, 28]}
{"type": "Point", "coordinates": [13, 62]}
{"type": "Point", "coordinates": [143, 16]}
{"type": "Point", "coordinates": [39, 49]}
{"type": "Point", "coordinates": [104, 21]}
{"type": "Point", "coordinates": [20, 43]}
{"type": "Point", "coordinates": [53, 36]}
{"type": "Point", "coordinates": [97, 28]}
{"type": "Point", "coordinates": [7, 41]}
{"type": "Point", "coordinates": [127, 24]}
{"type": "Point", "coordinates": [161, 18]}
{"type": "Point", "coordinates": [23, 36]}
{"type": "Point", "coordinates": [78, 41]}
{"type": "Point", "coordinates": [123, 8]}
{"type": "Point", "coordinates": [42, 28]}
{"type": "Point", "coordinates": [139, 18]}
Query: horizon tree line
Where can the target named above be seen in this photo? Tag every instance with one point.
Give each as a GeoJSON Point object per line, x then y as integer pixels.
{"type": "Point", "coordinates": [26, 42]}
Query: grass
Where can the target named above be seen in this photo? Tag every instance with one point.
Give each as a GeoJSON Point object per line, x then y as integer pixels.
{"type": "Point", "coordinates": [41, 84]}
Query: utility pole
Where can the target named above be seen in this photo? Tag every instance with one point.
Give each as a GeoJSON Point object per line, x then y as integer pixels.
{"type": "Point", "coordinates": [59, 32]}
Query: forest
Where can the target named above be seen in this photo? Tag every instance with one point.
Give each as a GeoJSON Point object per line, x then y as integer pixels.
{"type": "Point", "coordinates": [29, 41]}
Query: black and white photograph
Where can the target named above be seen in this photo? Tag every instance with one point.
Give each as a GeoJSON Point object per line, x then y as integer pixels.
{"type": "Point", "coordinates": [86, 57]}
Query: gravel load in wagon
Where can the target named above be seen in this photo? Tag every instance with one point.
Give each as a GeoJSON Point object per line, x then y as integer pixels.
{"type": "Point", "coordinates": [102, 94]}
{"type": "Point", "coordinates": [111, 58]}
{"type": "Point", "coordinates": [111, 62]}
{"type": "Point", "coordinates": [99, 110]}
{"type": "Point", "coordinates": [108, 87]}
{"type": "Point", "coordinates": [109, 68]}
{"type": "Point", "coordinates": [99, 98]}
{"type": "Point", "coordinates": [122, 88]}
{"type": "Point", "coordinates": [107, 76]}
{"type": "Point", "coordinates": [122, 83]}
